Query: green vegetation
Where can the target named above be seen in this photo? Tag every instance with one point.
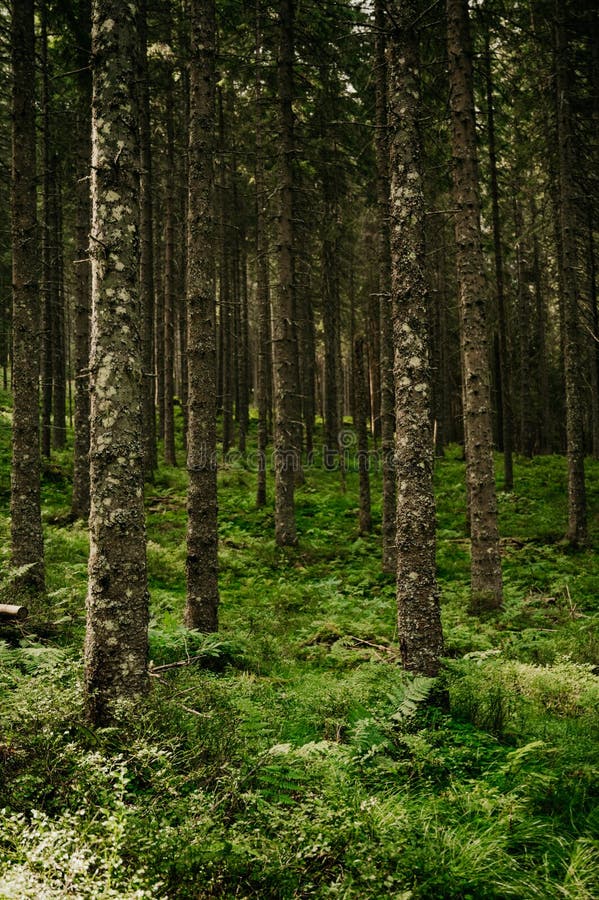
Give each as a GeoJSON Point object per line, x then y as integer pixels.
{"type": "Point", "coordinates": [288, 756]}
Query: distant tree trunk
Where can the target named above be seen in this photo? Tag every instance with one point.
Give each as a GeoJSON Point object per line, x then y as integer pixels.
{"type": "Point", "coordinates": [504, 382]}
{"type": "Point", "coordinates": [146, 264]}
{"type": "Point", "coordinates": [526, 327]}
{"type": "Point", "coordinates": [59, 367]}
{"type": "Point", "coordinates": [594, 345]}
{"type": "Point", "coordinates": [486, 583]}
{"type": "Point", "coordinates": [577, 511]}
{"type": "Point", "coordinates": [286, 374]}
{"type": "Point", "coordinates": [27, 545]}
{"type": "Point", "coordinates": [201, 610]}
{"type": "Point", "coordinates": [169, 277]}
{"type": "Point", "coordinates": [262, 275]}
{"type": "Point", "coordinates": [46, 246]}
{"type": "Point", "coordinates": [82, 301]}
{"type": "Point", "coordinates": [330, 327]}
{"type": "Point", "coordinates": [542, 380]}
{"type": "Point", "coordinates": [384, 290]}
{"type": "Point", "coordinates": [419, 622]}
{"type": "Point", "coordinates": [242, 326]}
{"type": "Point", "coordinates": [116, 646]}
{"type": "Point", "coordinates": [362, 434]}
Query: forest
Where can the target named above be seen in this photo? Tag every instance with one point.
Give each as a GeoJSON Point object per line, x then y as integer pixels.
{"type": "Point", "coordinates": [299, 449]}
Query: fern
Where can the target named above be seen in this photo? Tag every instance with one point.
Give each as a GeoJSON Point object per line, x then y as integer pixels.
{"type": "Point", "coordinates": [413, 694]}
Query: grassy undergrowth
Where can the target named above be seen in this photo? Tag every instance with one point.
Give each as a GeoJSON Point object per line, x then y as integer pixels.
{"type": "Point", "coordinates": [293, 758]}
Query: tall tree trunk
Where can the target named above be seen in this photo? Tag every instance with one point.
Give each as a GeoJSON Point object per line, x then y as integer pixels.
{"type": "Point", "coordinates": [577, 511]}
{"type": "Point", "coordinates": [27, 545]}
{"type": "Point", "coordinates": [286, 374]}
{"type": "Point", "coordinates": [80, 501]}
{"type": "Point", "coordinates": [504, 381]}
{"type": "Point", "coordinates": [201, 609]}
{"type": "Point", "coordinates": [525, 323]}
{"type": "Point", "coordinates": [59, 367]}
{"type": "Point", "coordinates": [419, 621]}
{"type": "Point", "coordinates": [146, 257]}
{"type": "Point", "coordinates": [365, 518]}
{"type": "Point", "coordinates": [486, 583]}
{"type": "Point", "coordinates": [594, 345]}
{"type": "Point", "coordinates": [116, 645]}
{"type": "Point", "coordinates": [169, 276]}
{"type": "Point", "coordinates": [542, 380]}
{"type": "Point", "coordinates": [384, 290]}
{"type": "Point", "coordinates": [46, 246]}
{"type": "Point", "coordinates": [262, 275]}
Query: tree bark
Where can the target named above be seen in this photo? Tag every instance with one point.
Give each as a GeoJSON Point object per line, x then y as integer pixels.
{"type": "Point", "coordinates": [504, 381]}
{"type": "Point", "coordinates": [486, 582]}
{"type": "Point", "coordinates": [365, 517]}
{"type": "Point", "coordinates": [116, 645]}
{"type": "Point", "coordinates": [146, 256]}
{"type": "Point", "coordinates": [27, 545]}
{"type": "Point", "coordinates": [418, 613]}
{"type": "Point", "coordinates": [286, 373]}
{"type": "Point", "coordinates": [169, 276]}
{"type": "Point", "coordinates": [577, 510]}
{"type": "Point", "coordinates": [201, 610]}
{"type": "Point", "coordinates": [384, 290]}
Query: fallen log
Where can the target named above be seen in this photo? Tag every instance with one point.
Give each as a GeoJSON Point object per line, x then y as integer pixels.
{"type": "Point", "coordinates": [7, 611]}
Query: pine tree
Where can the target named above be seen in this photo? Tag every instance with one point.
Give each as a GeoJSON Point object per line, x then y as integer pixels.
{"type": "Point", "coordinates": [116, 645]}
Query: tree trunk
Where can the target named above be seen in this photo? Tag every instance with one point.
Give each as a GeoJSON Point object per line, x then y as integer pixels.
{"type": "Point", "coordinates": [169, 279]}
{"type": "Point", "coordinates": [504, 380]}
{"type": "Point", "coordinates": [577, 511]}
{"type": "Point", "coordinates": [418, 613]}
{"type": "Point", "coordinates": [486, 583]}
{"type": "Point", "coordinates": [27, 545]}
{"type": "Point", "coordinates": [146, 258]}
{"type": "Point", "coordinates": [384, 290]}
{"type": "Point", "coordinates": [201, 610]}
{"type": "Point", "coordinates": [58, 312]}
{"type": "Point", "coordinates": [365, 519]}
{"type": "Point", "coordinates": [46, 247]}
{"type": "Point", "coordinates": [262, 275]}
{"type": "Point", "coordinates": [286, 374]}
{"type": "Point", "coordinates": [116, 646]}
{"type": "Point", "coordinates": [82, 301]}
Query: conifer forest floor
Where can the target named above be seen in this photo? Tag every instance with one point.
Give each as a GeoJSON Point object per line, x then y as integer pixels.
{"type": "Point", "coordinates": [288, 756]}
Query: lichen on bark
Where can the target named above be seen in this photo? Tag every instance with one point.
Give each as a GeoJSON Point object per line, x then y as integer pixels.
{"type": "Point", "coordinates": [117, 602]}
{"type": "Point", "coordinates": [419, 622]}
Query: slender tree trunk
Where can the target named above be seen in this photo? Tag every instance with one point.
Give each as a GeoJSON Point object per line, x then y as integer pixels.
{"type": "Point", "coordinates": [201, 610]}
{"type": "Point", "coordinates": [27, 545]}
{"type": "Point", "coordinates": [577, 511]}
{"type": "Point", "coordinates": [419, 622]}
{"type": "Point", "coordinates": [594, 345]}
{"type": "Point", "coordinates": [169, 278]}
{"type": "Point", "coordinates": [80, 502]}
{"type": "Point", "coordinates": [146, 258]}
{"type": "Point", "coordinates": [504, 380]}
{"type": "Point", "coordinates": [365, 518]}
{"type": "Point", "coordinates": [384, 289]}
{"type": "Point", "coordinates": [59, 368]}
{"type": "Point", "coordinates": [46, 282]}
{"type": "Point", "coordinates": [526, 328]}
{"type": "Point", "coordinates": [262, 275]}
{"type": "Point", "coordinates": [542, 380]}
{"type": "Point", "coordinates": [116, 646]}
{"type": "Point", "coordinates": [286, 374]}
{"type": "Point", "coordinates": [486, 583]}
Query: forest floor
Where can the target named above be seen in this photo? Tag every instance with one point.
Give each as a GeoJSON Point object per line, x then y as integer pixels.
{"type": "Point", "coordinates": [288, 756]}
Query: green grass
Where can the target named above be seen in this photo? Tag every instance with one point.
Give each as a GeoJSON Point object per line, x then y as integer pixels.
{"type": "Point", "coordinates": [294, 759]}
